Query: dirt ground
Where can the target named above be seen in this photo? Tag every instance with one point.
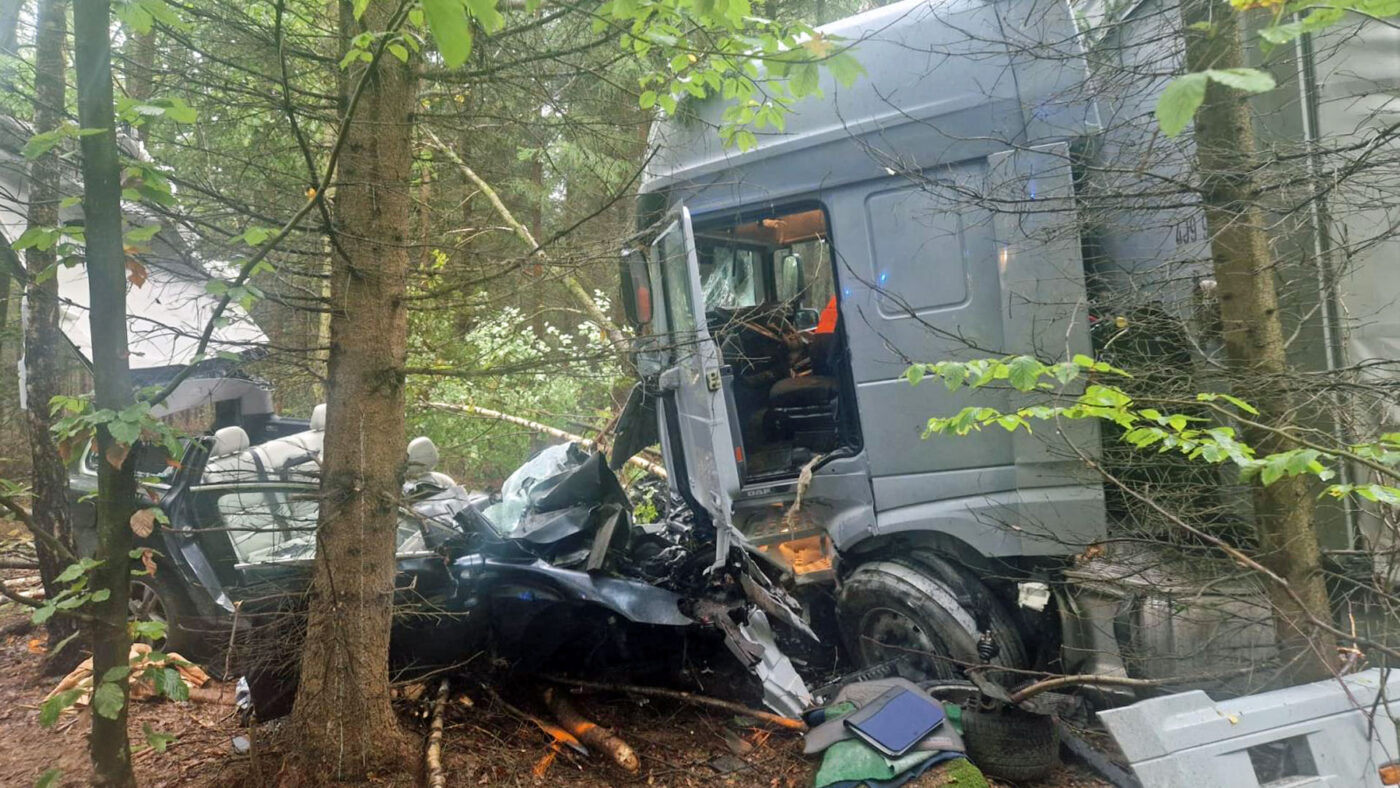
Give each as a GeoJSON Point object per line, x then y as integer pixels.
{"type": "Point", "coordinates": [678, 745]}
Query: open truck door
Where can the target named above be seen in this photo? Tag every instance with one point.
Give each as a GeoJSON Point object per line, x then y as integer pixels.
{"type": "Point", "coordinates": [697, 433]}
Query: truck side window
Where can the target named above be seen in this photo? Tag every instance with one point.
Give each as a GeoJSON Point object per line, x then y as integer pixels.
{"type": "Point", "coordinates": [680, 306]}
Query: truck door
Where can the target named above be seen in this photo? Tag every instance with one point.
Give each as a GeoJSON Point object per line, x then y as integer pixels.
{"type": "Point", "coordinates": [695, 415]}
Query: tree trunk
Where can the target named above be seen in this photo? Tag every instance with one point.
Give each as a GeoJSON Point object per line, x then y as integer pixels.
{"type": "Point", "coordinates": [1253, 334]}
{"type": "Point", "coordinates": [106, 271]}
{"type": "Point", "coordinates": [43, 338]}
{"type": "Point", "coordinates": [342, 713]}
{"type": "Point", "coordinates": [9, 26]}
{"type": "Point", "coordinates": [140, 63]}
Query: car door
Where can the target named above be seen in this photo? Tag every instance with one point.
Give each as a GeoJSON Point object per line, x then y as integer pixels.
{"type": "Point", "coordinates": [695, 417]}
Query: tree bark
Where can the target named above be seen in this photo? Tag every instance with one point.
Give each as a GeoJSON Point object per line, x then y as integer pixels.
{"type": "Point", "coordinates": [43, 338]}
{"type": "Point", "coordinates": [106, 272]}
{"type": "Point", "coordinates": [9, 25]}
{"type": "Point", "coordinates": [140, 62]}
{"type": "Point", "coordinates": [1253, 334]}
{"type": "Point", "coordinates": [342, 711]}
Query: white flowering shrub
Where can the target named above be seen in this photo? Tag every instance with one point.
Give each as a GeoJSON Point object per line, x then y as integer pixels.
{"type": "Point", "coordinates": [516, 363]}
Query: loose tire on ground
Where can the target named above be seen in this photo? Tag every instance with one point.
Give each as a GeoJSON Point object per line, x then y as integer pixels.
{"type": "Point", "coordinates": [1011, 744]}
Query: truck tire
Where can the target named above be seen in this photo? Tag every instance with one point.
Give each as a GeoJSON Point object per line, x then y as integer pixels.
{"type": "Point", "coordinates": [1011, 744]}
{"type": "Point", "coordinates": [923, 609]}
{"type": "Point", "coordinates": [156, 598]}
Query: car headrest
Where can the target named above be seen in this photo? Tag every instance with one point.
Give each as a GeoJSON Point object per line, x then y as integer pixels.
{"type": "Point", "coordinates": [229, 440]}
{"type": "Point", "coordinates": [318, 418]}
{"type": "Point", "coordinates": [422, 457]}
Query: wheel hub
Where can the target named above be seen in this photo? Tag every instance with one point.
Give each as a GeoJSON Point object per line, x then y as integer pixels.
{"type": "Point", "coordinates": [888, 634]}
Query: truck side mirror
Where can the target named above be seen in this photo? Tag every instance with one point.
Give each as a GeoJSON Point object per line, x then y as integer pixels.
{"type": "Point", "coordinates": [790, 278]}
{"type": "Point", "coordinates": [636, 287]}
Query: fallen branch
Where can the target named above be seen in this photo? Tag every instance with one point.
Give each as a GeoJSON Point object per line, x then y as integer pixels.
{"type": "Point", "coordinates": [545, 429]}
{"type": "Point", "coordinates": [557, 734]}
{"type": "Point", "coordinates": [436, 777]}
{"type": "Point", "coordinates": [571, 282]}
{"type": "Point", "coordinates": [687, 697]}
{"type": "Point", "coordinates": [590, 732]}
{"type": "Point", "coordinates": [1090, 679]}
{"type": "Point", "coordinates": [220, 695]}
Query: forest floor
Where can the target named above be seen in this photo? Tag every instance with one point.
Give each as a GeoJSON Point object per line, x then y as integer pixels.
{"type": "Point", "coordinates": [483, 744]}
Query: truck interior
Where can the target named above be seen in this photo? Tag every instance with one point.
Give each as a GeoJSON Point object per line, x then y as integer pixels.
{"type": "Point", "coordinates": [771, 307]}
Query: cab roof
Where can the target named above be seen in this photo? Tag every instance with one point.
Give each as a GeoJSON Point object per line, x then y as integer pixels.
{"type": "Point", "coordinates": [944, 82]}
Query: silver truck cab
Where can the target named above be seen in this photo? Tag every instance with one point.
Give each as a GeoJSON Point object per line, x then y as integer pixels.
{"type": "Point", "coordinates": [788, 287]}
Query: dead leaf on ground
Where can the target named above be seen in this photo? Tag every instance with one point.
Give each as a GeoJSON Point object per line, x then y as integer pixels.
{"type": "Point", "coordinates": [36, 646]}
{"type": "Point", "coordinates": [143, 523]}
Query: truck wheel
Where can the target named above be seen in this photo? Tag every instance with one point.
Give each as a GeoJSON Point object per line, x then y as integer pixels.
{"type": "Point", "coordinates": [154, 598]}
{"type": "Point", "coordinates": [920, 609]}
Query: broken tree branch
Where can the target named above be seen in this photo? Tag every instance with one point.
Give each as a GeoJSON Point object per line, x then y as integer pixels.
{"type": "Point", "coordinates": [571, 282]}
{"type": "Point", "coordinates": [556, 733]}
{"type": "Point", "coordinates": [436, 777]}
{"type": "Point", "coordinates": [687, 697]}
{"type": "Point", "coordinates": [535, 426]}
{"type": "Point", "coordinates": [590, 732]}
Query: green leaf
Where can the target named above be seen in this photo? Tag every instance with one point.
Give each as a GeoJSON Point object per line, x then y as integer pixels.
{"type": "Point", "coordinates": [399, 51]}
{"type": "Point", "coordinates": [359, 8]}
{"type": "Point", "coordinates": [42, 614]}
{"type": "Point", "coordinates": [447, 21]}
{"type": "Point", "coordinates": [41, 238]}
{"type": "Point", "coordinates": [147, 630]}
{"type": "Point", "coordinates": [1179, 102]}
{"type": "Point", "coordinates": [177, 110]}
{"type": "Point", "coordinates": [70, 573]}
{"type": "Point", "coordinates": [124, 431]}
{"type": "Point", "coordinates": [1250, 80]}
{"type": "Point", "coordinates": [1023, 373]}
{"type": "Point", "coordinates": [116, 673]}
{"type": "Point", "coordinates": [803, 81]}
{"type": "Point", "coordinates": [845, 68]}
{"type": "Point", "coordinates": [171, 685]}
{"type": "Point", "coordinates": [140, 234]}
{"type": "Point", "coordinates": [647, 100]}
{"type": "Point", "coordinates": [51, 708]}
{"type": "Point", "coordinates": [253, 236]}
{"type": "Point", "coordinates": [42, 143]}
{"type": "Point", "coordinates": [486, 15]}
{"type": "Point", "coordinates": [157, 740]}
{"type": "Point", "coordinates": [134, 16]}
{"type": "Point", "coordinates": [49, 778]}
{"type": "Point", "coordinates": [953, 374]}
{"type": "Point", "coordinates": [108, 699]}
{"type": "Point", "coordinates": [915, 373]}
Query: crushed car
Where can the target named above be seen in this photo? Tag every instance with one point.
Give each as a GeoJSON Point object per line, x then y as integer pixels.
{"type": "Point", "coordinates": [554, 567]}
